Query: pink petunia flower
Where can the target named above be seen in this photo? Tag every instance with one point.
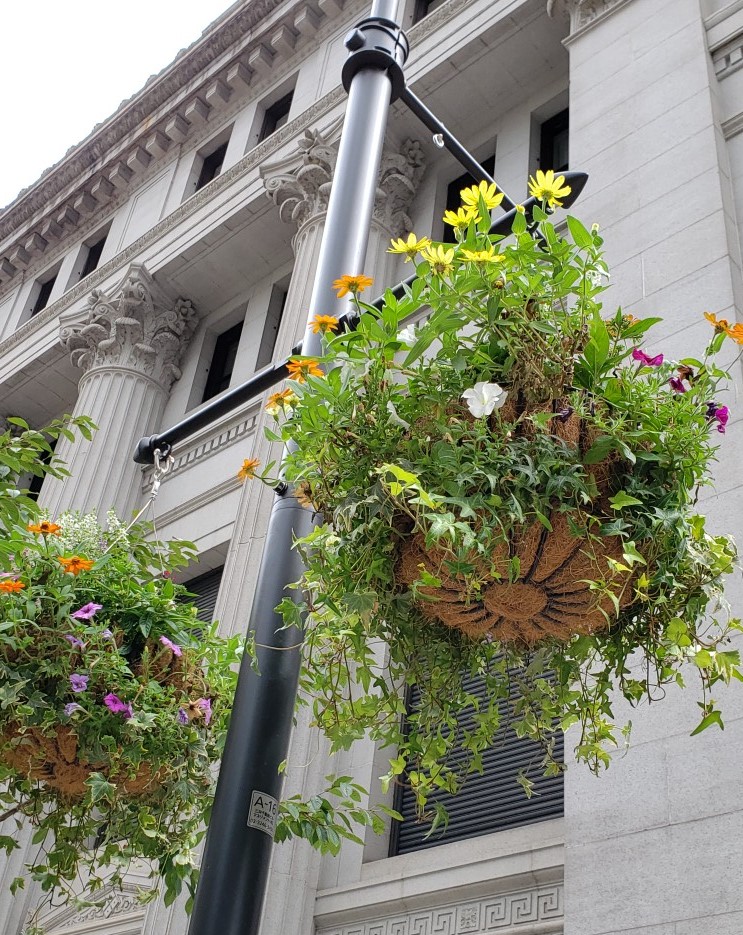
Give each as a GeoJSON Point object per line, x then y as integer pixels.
{"type": "Point", "coordinates": [646, 359]}
{"type": "Point", "coordinates": [173, 647]}
{"type": "Point", "coordinates": [87, 611]}
{"type": "Point", "coordinates": [116, 706]}
{"type": "Point", "coordinates": [677, 385]}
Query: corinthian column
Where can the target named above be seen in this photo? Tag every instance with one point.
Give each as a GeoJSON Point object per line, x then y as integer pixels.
{"type": "Point", "coordinates": [128, 345]}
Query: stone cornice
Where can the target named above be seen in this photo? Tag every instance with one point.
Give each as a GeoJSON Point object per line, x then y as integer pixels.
{"type": "Point", "coordinates": [181, 213]}
{"type": "Point", "coordinates": [124, 121]}
{"type": "Point", "coordinates": [241, 50]}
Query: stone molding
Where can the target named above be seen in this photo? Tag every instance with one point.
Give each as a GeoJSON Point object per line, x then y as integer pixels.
{"type": "Point", "coordinates": [172, 107]}
{"type": "Point", "coordinates": [139, 327]}
{"type": "Point", "coordinates": [583, 13]}
{"type": "Point", "coordinates": [189, 207]}
{"type": "Point", "coordinates": [119, 911]}
{"type": "Point", "coordinates": [300, 184]}
{"type": "Point", "coordinates": [520, 912]}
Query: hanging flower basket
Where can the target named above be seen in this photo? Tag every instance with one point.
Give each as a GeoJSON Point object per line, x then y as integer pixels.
{"type": "Point", "coordinates": [114, 699]}
{"type": "Point", "coordinates": [507, 489]}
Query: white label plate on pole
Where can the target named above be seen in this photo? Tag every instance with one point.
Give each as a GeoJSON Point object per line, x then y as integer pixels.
{"type": "Point", "coordinates": [264, 810]}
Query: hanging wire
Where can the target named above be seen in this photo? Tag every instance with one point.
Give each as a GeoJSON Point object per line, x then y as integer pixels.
{"type": "Point", "coordinates": [163, 464]}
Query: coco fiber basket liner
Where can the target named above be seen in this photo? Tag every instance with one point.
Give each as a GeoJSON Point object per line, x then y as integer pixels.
{"type": "Point", "coordinates": [552, 597]}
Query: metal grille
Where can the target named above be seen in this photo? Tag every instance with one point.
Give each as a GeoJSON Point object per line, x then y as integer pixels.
{"type": "Point", "coordinates": [489, 802]}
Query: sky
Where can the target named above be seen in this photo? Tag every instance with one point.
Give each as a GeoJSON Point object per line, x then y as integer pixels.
{"type": "Point", "coordinates": [66, 65]}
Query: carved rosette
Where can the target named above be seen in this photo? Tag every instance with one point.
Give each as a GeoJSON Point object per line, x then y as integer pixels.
{"type": "Point", "coordinates": [138, 328]}
{"type": "Point", "coordinates": [581, 12]}
{"type": "Point", "coordinates": [301, 191]}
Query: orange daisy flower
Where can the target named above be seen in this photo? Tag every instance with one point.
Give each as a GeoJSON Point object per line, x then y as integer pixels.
{"type": "Point", "coordinates": [44, 528]}
{"type": "Point", "coordinates": [247, 471]}
{"type": "Point", "coordinates": [284, 399]}
{"type": "Point", "coordinates": [10, 585]}
{"type": "Point", "coordinates": [324, 323]}
{"type": "Point", "coordinates": [719, 324]}
{"type": "Point", "coordinates": [75, 564]}
{"type": "Point", "coordinates": [299, 370]}
{"type": "Point", "coordinates": [352, 284]}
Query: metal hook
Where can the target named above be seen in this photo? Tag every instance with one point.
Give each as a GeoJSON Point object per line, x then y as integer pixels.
{"type": "Point", "coordinates": [438, 140]}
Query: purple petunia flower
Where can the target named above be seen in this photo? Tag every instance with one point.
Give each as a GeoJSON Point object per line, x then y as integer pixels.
{"type": "Point", "coordinates": [107, 634]}
{"type": "Point", "coordinates": [646, 359]}
{"type": "Point", "coordinates": [206, 707]}
{"type": "Point", "coordinates": [173, 647]}
{"type": "Point", "coordinates": [74, 641]}
{"type": "Point", "coordinates": [69, 709]}
{"type": "Point", "coordinates": [718, 414]}
{"type": "Point", "coordinates": [86, 611]}
{"type": "Point", "coordinates": [79, 683]}
{"type": "Point", "coordinates": [116, 706]}
{"type": "Point", "coordinates": [182, 716]}
{"type": "Point", "coordinates": [677, 385]}
{"type": "Point", "coordinates": [564, 414]}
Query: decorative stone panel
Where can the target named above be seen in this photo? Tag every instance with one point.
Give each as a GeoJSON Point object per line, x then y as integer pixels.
{"type": "Point", "coordinates": [516, 913]}
{"type": "Point", "coordinates": [583, 12]}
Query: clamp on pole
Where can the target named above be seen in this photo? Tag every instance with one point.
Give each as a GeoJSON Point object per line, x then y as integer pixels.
{"type": "Point", "coordinates": [377, 43]}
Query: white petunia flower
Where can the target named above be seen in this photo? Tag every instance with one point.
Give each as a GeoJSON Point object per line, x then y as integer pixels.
{"type": "Point", "coordinates": [408, 335]}
{"type": "Point", "coordinates": [483, 398]}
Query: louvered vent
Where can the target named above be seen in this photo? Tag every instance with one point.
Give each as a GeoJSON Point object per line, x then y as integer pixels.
{"type": "Point", "coordinates": [205, 589]}
{"type": "Point", "coordinates": [491, 802]}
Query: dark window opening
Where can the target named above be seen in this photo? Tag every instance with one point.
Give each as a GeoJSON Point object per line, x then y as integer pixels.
{"type": "Point", "coordinates": [454, 191]}
{"type": "Point", "coordinates": [223, 361]}
{"type": "Point", "coordinates": [554, 143]}
{"type": "Point", "coordinates": [94, 257]}
{"type": "Point", "coordinates": [276, 116]}
{"type": "Point", "coordinates": [271, 327]}
{"type": "Point", "coordinates": [34, 485]}
{"type": "Point", "coordinates": [424, 7]}
{"type": "Point", "coordinates": [211, 166]}
{"type": "Point", "coordinates": [204, 592]}
{"type": "Point", "coordinates": [42, 299]}
{"type": "Point", "coordinates": [493, 801]}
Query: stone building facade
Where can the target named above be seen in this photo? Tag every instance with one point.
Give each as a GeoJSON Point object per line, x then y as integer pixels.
{"type": "Point", "coordinates": [170, 255]}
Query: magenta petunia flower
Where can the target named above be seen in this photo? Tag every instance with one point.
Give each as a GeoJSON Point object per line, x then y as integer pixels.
{"type": "Point", "coordinates": [206, 706]}
{"type": "Point", "coordinates": [87, 611]}
{"type": "Point", "coordinates": [677, 385]}
{"type": "Point", "coordinates": [74, 641]}
{"type": "Point", "coordinates": [69, 709]}
{"type": "Point", "coordinates": [721, 417]}
{"type": "Point", "coordinates": [79, 683]}
{"type": "Point", "coordinates": [646, 359]}
{"type": "Point", "coordinates": [173, 647]}
{"type": "Point", "coordinates": [116, 706]}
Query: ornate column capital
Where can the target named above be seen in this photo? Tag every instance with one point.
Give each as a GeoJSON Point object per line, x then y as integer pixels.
{"type": "Point", "coordinates": [582, 12]}
{"type": "Point", "coordinates": [139, 327]}
{"type": "Point", "coordinates": [300, 184]}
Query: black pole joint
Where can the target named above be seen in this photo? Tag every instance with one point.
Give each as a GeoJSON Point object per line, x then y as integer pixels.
{"type": "Point", "coordinates": [377, 43]}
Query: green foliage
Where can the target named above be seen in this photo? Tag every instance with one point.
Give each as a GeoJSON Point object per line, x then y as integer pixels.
{"type": "Point", "coordinates": [114, 698]}
{"type": "Point", "coordinates": [385, 447]}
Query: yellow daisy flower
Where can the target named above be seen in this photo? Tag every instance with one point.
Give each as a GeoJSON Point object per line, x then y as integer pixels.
{"type": "Point", "coordinates": [485, 190]}
{"type": "Point", "coordinates": [461, 218]}
{"type": "Point", "coordinates": [409, 247]}
{"type": "Point", "coordinates": [440, 259]}
{"type": "Point", "coordinates": [482, 256]}
{"type": "Point", "coordinates": [548, 187]}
